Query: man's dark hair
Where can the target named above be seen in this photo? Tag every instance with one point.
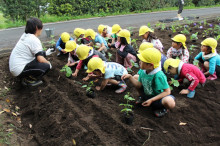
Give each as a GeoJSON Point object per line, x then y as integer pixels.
{"type": "Point", "coordinates": [32, 25]}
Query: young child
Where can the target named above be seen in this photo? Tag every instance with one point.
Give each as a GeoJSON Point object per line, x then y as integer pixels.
{"type": "Point", "coordinates": [110, 71]}
{"type": "Point", "coordinates": [85, 53]}
{"type": "Point", "coordinates": [209, 58]}
{"type": "Point", "coordinates": [148, 35]}
{"type": "Point", "coordinates": [92, 35]}
{"type": "Point", "coordinates": [115, 30]}
{"type": "Point", "coordinates": [152, 83]}
{"type": "Point", "coordinates": [125, 52]}
{"type": "Point", "coordinates": [185, 70]}
{"type": "Point", "coordinates": [105, 31]}
{"type": "Point", "coordinates": [70, 47]}
{"type": "Point", "coordinates": [60, 45]}
{"type": "Point", "coordinates": [79, 33]}
{"type": "Point", "coordinates": [179, 48]}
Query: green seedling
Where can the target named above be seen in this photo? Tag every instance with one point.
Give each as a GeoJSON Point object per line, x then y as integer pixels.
{"type": "Point", "coordinates": [79, 40]}
{"type": "Point", "coordinates": [174, 83]}
{"type": "Point", "coordinates": [109, 56]}
{"type": "Point", "coordinates": [132, 64]}
{"type": "Point", "coordinates": [89, 86]}
{"type": "Point", "coordinates": [217, 29]}
{"type": "Point", "coordinates": [134, 43]}
{"type": "Point", "coordinates": [217, 37]}
{"type": "Point", "coordinates": [127, 106]}
{"type": "Point", "coordinates": [106, 39]}
{"type": "Point", "coordinates": [196, 62]}
{"type": "Point", "coordinates": [52, 41]}
{"type": "Point", "coordinates": [163, 26]}
{"type": "Point", "coordinates": [191, 48]}
{"type": "Point", "coordinates": [185, 31]}
{"type": "Point", "coordinates": [194, 36]}
{"type": "Point", "coordinates": [173, 28]}
{"type": "Point", "coordinates": [68, 71]}
{"type": "Point", "coordinates": [158, 24]}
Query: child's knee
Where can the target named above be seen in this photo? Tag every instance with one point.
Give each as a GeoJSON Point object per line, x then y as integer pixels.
{"type": "Point", "coordinates": [169, 102]}
{"type": "Point", "coordinates": [136, 77]}
{"type": "Point", "coordinates": [206, 64]}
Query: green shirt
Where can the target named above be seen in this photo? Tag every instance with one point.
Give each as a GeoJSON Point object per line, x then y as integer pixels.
{"type": "Point", "coordinates": [114, 36]}
{"type": "Point", "coordinates": [153, 84]}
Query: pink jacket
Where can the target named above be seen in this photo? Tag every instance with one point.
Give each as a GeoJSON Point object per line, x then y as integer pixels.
{"type": "Point", "coordinates": [193, 74]}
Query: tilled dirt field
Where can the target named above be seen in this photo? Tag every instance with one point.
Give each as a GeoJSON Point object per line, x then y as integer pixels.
{"type": "Point", "coordinates": [60, 112]}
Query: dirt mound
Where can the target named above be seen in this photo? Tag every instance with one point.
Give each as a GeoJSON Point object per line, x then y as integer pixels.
{"type": "Point", "coordinates": [60, 112]}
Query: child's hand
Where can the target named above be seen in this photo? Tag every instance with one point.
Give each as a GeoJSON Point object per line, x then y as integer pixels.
{"type": "Point", "coordinates": [126, 76]}
{"type": "Point", "coordinates": [98, 88]}
{"type": "Point", "coordinates": [184, 91]}
{"type": "Point", "coordinates": [64, 52]}
{"type": "Point", "coordinates": [147, 103]}
{"type": "Point", "coordinates": [86, 78]}
{"type": "Point", "coordinates": [74, 74]}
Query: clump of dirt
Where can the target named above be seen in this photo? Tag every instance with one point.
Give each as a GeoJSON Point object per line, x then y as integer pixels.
{"type": "Point", "coordinates": [60, 112]}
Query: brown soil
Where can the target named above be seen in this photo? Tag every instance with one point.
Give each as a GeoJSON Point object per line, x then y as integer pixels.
{"type": "Point", "coordinates": [60, 112]}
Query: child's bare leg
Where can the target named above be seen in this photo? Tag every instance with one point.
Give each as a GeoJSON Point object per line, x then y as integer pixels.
{"type": "Point", "coordinates": [136, 77]}
{"type": "Point", "coordinates": [206, 65]}
{"type": "Point", "coordinates": [112, 81]}
{"type": "Point", "coordinates": [168, 102]}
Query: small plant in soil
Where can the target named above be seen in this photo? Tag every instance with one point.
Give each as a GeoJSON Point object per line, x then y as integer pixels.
{"type": "Point", "coordinates": [68, 71]}
{"type": "Point", "coordinates": [158, 24]}
{"type": "Point", "coordinates": [185, 31]}
{"type": "Point", "coordinates": [134, 43]}
{"type": "Point", "coordinates": [89, 91]}
{"type": "Point", "coordinates": [192, 47]}
{"type": "Point", "coordinates": [109, 56]}
{"type": "Point", "coordinates": [52, 41]}
{"type": "Point", "coordinates": [174, 83]}
{"type": "Point", "coordinates": [217, 29]}
{"type": "Point", "coordinates": [173, 28]}
{"type": "Point", "coordinates": [217, 37]}
{"type": "Point", "coordinates": [163, 26]}
{"type": "Point", "coordinates": [127, 110]}
{"type": "Point", "coordinates": [194, 37]}
{"type": "Point", "coordinates": [133, 64]}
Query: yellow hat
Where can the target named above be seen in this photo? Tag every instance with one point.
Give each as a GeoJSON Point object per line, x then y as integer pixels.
{"type": "Point", "coordinates": [79, 31]}
{"type": "Point", "coordinates": [70, 46]}
{"type": "Point", "coordinates": [144, 46]}
{"type": "Point", "coordinates": [211, 43]}
{"type": "Point", "coordinates": [171, 62]}
{"type": "Point", "coordinates": [126, 34]}
{"type": "Point", "coordinates": [91, 33]}
{"type": "Point", "coordinates": [65, 37]}
{"type": "Point", "coordinates": [151, 55]}
{"type": "Point", "coordinates": [101, 28]}
{"type": "Point", "coordinates": [180, 38]}
{"type": "Point", "coordinates": [115, 28]}
{"type": "Point", "coordinates": [144, 29]}
{"type": "Point", "coordinates": [83, 51]}
{"type": "Point", "coordinates": [96, 63]}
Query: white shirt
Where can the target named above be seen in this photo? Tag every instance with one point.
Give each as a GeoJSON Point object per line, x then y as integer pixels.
{"type": "Point", "coordinates": [23, 53]}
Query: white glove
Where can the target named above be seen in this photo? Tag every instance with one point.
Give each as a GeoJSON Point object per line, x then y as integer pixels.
{"type": "Point", "coordinates": [49, 51]}
{"type": "Point", "coordinates": [50, 65]}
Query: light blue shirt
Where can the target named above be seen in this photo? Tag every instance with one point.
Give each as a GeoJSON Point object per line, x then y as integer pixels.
{"type": "Point", "coordinates": [213, 61]}
{"type": "Point", "coordinates": [100, 39]}
{"type": "Point", "coordinates": [112, 69]}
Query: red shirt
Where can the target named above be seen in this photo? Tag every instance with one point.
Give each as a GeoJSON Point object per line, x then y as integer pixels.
{"type": "Point", "coordinates": [193, 74]}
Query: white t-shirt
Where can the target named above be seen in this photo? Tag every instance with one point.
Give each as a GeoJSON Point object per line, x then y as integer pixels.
{"type": "Point", "coordinates": [113, 68]}
{"type": "Point", "coordinates": [23, 53]}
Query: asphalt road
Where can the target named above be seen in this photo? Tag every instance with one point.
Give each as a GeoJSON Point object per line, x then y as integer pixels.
{"type": "Point", "coordinates": [9, 37]}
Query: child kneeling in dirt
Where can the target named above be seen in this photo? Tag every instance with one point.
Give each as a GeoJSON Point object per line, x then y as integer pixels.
{"type": "Point", "coordinates": [111, 72]}
{"type": "Point", "coordinates": [85, 53]}
{"type": "Point", "coordinates": [80, 36]}
{"type": "Point", "coordinates": [179, 48]}
{"type": "Point", "coordinates": [125, 52]}
{"type": "Point", "coordinates": [152, 83]}
{"type": "Point", "coordinates": [209, 58]}
{"type": "Point", "coordinates": [188, 71]}
{"type": "Point", "coordinates": [60, 45]}
{"type": "Point", "coordinates": [71, 47]}
{"type": "Point", "coordinates": [98, 40]}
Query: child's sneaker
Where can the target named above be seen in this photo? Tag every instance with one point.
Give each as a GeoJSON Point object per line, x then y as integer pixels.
{"type": "Point", "coordinates": [123, 87]}
{"type": "Point", "coordinates": [191, 94]}
{"type": "Point", "coordinates": [161, 112]}
{"type": "Point", "coordinates": [31, 82]}
{"type": "Point", "coordinates": [212, 77]}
